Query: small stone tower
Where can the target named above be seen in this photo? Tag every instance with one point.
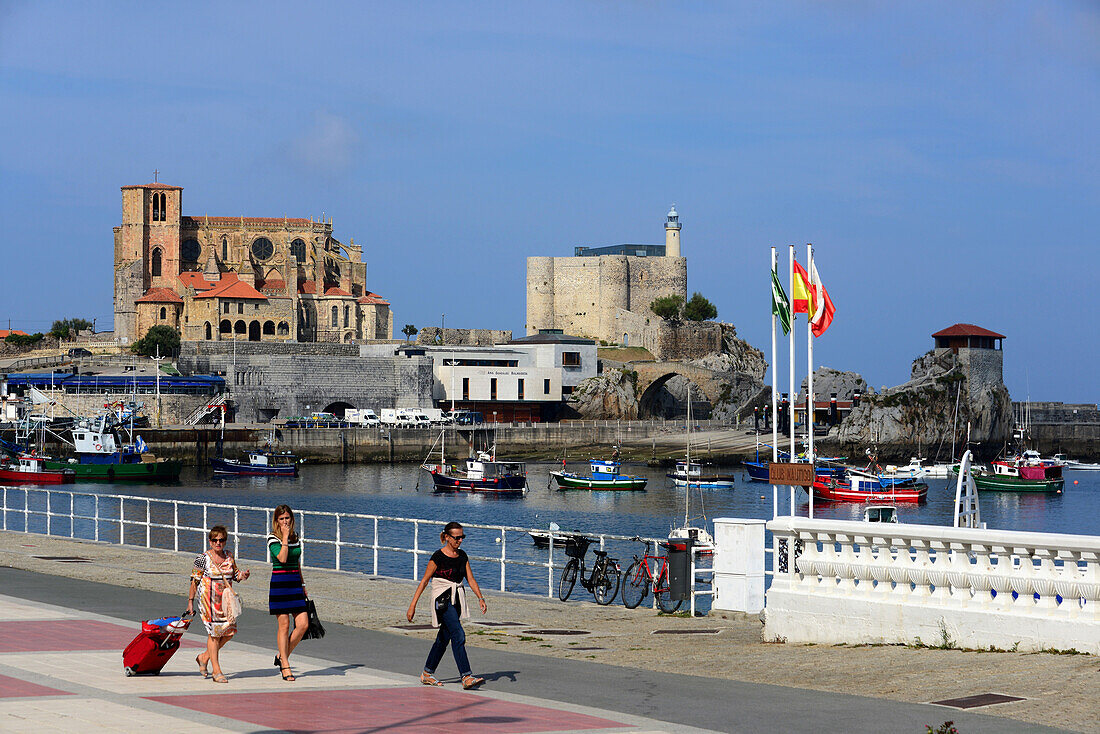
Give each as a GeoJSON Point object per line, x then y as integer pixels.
{"type": "Point", "coordinates": [147, 249]}
{"type": "Point", "coordinates": [672, 233]}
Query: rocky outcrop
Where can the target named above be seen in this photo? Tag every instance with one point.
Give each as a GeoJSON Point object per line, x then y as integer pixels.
{"type": "Point", "coordinates": [610, 396]}
{"type": "Point", "coordinates": [828, 381]}
{"type": "Point", "coordinates": [920, 415]}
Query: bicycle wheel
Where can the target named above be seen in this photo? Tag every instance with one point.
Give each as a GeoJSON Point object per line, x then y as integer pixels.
{"type": "Point", "coordinates": [635, 585]}
{"type": "Point", "coordinates": [607, 586]}
{"type": "Point", "coordinates": [568, 579]}
{"type": "Point", "coordinates": [665, 602]}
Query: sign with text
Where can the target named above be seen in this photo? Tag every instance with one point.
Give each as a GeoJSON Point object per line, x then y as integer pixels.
{"type": "Point", "coordinates": [791, 474]}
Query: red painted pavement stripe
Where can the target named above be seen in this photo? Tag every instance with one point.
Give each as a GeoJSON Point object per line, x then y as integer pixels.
{"type": "Point", "coordinates": [15, 688]}
{"type": "Point", "coordinates": [69, 634]}
{"type": "Point", "coordinates": [419, 710]}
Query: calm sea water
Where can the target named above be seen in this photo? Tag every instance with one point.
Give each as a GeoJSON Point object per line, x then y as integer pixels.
{"type": "Point", "coordinates": [392, 490]}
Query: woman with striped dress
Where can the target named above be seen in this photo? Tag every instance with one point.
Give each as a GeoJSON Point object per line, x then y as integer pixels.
{"type": "Point", "coordinates": [287, 598]}
{"type": "Point", "coordinates": [213, 573]}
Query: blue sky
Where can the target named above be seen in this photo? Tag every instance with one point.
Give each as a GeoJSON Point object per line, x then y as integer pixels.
{"type": "Point", "coordinates": [942, 157]}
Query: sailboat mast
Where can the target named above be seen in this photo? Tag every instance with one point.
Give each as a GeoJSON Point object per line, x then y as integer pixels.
{"type": "Point", "coordinates": [687, 468]}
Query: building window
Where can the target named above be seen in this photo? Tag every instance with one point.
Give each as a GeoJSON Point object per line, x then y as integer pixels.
{"type": "Point", "coordinates": [209, 335]}
{"type": "Point", "coordinates": [493, 389]}
{"type": "Point", "coordinates": [298, 250]}
{"type": "Point", "coordinates": [519, 392]}
{"type": "Point", "coordinates": [163, 313]}
{"type": "Point", "coordinates": [262, 249]}
{"type": "Point", "coordinates": [190, 250]}
{"type": "Point", "coordinates": [566, 389]}
{"type": "Point", "coordinates": [284, 328]}
{"type": "Point", "coordinates": [225, 249]}
{"type": "Point", "coordinates": [240, 308]}
{"type": "Point", "coordinates": [335, 317]}
{"type": "Point", "coordinates": [269, 328]}
{"type": "Point", "coordinates": [546, 387]}
{"type": "Point", "coordinates": [225, 327]}
{"type": "Point", "coordinates": [347, 315]}
{"type": "Point", "coordinates": [225, 307]}
{"type": "Point", "coordinates": [465, 388]}
{"type": "Point", "coordinates": [255, 307]}
{"type": "Point", "coordinates": [240, 328]}
{"type": "Point", "coordinates": [156, 263]}
{"type": "Point", "coordinates": [571, 359]}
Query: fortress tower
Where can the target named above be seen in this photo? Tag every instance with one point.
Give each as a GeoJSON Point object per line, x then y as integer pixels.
{"type": "Point", "coordinates": [604, 292]}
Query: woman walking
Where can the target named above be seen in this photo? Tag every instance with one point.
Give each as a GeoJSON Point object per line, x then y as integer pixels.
{"type": "Point", "coordinates": [446, 570]}
{"type": "Point", "coordinates": [214, 574]}
{"type": "Point", "coordinates": [287, 598]}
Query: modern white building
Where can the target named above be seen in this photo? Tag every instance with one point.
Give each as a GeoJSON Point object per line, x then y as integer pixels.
{"type": "Point", "coordinates": [525, 379]}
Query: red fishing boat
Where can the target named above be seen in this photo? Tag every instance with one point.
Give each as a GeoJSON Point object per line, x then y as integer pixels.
{"type": "Point", "coordinates": [28, 469]}
{"type": "Point", "coordinates": [854, 488]}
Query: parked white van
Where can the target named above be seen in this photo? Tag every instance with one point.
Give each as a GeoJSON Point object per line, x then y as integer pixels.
{"type": "Point", "coordinates": [361, 417]}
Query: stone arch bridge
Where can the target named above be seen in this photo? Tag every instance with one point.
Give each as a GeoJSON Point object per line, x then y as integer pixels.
{"type": "Point", "coordinates": [652, 376]}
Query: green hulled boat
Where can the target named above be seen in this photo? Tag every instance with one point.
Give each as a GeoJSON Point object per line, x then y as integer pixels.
{"type": "Point", "coordinates": [605, 475]}
{"type": "Point", "coordinates": [1023, 473]}
{"type": "Point", "coordinates": [100, 455]}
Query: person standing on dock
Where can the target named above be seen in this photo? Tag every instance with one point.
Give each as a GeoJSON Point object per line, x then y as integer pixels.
{"type": "Point", "coordinates": [287, 597]}
{"type": "Point", "coordinates": [446, 570]}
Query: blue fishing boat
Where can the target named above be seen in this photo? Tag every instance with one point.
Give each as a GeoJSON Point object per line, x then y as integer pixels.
{"type": "Point", "coordinates": [261, 463]}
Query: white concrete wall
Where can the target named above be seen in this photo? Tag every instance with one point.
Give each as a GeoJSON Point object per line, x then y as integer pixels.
{"type": "Point", "coordinates": [858, 582]}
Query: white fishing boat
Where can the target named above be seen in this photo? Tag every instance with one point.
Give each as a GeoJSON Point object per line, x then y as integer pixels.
{"type": "Point", "coordinates": [699, 535]}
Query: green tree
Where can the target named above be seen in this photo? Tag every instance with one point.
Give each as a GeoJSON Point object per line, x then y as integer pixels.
{"type": "Point", "coordinates": [668, 307]}
{"type": "Point", "coordinates": [67, 328]}
{"type": "Point", "coordinates": [409, 331]}
{"type": "Point", "coordinates": [23, 340]}
{"type": "Point", "coordinates": [164, 337]}
{"type": "Point", "coordinates": [699, 309]}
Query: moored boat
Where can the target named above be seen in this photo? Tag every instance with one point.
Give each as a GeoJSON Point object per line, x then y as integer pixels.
{"type": "Point", "coordinates": [261, 463]}
{"type": "Point", "coordinates": [29, 469]}
{"type": "Point", "coordinates": [482, 474]}
{"type": "Point", "coordinates": [605, 475]}
{"type": "Point", "coordinates": [100, 454]}
{"type": "Point", "coordinates": [1023, 473]}
{"type": "Point", "coordinates": [686, 474]}
{"type": "Point", "coordinates": [856, 488]}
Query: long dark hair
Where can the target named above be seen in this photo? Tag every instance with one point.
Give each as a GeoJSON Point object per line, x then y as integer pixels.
{"type": "Point", "coordinates": [292, 536]}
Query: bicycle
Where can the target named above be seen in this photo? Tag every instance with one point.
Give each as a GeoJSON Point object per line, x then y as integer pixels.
{"type": "Point", "coordinates": [603, 581]}
{"type": "Point", "coordinates": [640, 576]}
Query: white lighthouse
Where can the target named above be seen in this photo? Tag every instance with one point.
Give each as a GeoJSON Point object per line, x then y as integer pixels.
{"type": "Point", "coordinates": [672, 233]}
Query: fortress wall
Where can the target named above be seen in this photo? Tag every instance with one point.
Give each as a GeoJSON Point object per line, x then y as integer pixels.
{"type": "Point", "coordinates": [984, 367]}
{"type": "Point", "coordinates": [614, 294]}
{"type": "Point", "coordinates": [463, 337]}
{"type": "Point", "coordinates": [540, 294]}
{"type": "Point", "coordinates": [654, 277]}
{"type": "Point", "coordinates": [577, 295]}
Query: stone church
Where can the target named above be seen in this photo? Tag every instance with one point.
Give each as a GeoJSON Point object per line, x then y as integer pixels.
{"type": "Point", "coordinates": [265, 279]}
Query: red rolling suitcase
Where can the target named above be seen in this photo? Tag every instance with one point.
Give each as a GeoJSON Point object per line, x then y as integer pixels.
{"type": "Point", "coordinates": [154, 646]}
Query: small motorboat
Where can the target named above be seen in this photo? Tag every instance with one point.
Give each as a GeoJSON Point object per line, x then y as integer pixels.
{"type": "Point", "coordinates": [31, 469]}
{"type": "Point", "coordinates": [562, 538]}
{"type": "Point", "coordinates": [1023, 473]}
{"type": "Point", "coordinates": [692, 474]}
{"type": "Point", "coordinates": [483, 474]}
{"type": "Point", "coordinates": [856, 488]}
{"type": "Point", "coordinates": [605, 475]}
{"type": "Point", "coordinates": [880, 513]}
{"type": "Point", "coordinates": [261, 463]}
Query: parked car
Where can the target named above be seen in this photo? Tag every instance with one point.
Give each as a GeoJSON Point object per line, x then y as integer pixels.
{"type": "Point", "coordinates": [78, 352]}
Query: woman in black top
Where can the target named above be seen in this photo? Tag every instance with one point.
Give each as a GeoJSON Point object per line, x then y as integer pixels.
{"type": "Point", "coordinates": [446, 570]}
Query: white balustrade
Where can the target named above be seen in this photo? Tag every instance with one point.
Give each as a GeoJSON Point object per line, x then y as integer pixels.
{"type": "Point", "coordinates": [859, 582]}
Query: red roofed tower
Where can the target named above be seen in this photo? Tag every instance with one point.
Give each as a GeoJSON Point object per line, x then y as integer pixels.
{"type": "Point", "coordinates": [146, 249]}
{"type": "Point", "coordinates": [977, 351]}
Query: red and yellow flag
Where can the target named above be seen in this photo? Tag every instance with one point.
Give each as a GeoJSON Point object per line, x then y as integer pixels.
{"type": "Point", "coordinates": [802, 293]}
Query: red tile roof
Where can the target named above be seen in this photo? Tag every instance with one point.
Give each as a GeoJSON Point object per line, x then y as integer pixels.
{"type": "Point", "coordinates": [373, 298]}
{"type": "Point", "coordinates": [197, 281]}
{"type": "Point", "coordinates": [230, 221]}
{"type": "Point", "coordinates": [160, 295]}
{"type": "Point", "coordinates": [273, 284]}
{"type": "Point", "coordinates": [337, 292]}
{"type": "Point", "coordinates": [231, 286]}
{"type": "Point", "coordinates": [967, 330]}
{"type": "Point", "coordinates": [8, 332]}
{"type": "Point", "coordinates": [153, 186]}
{"type": "Point", "coordinates": [307, 286]}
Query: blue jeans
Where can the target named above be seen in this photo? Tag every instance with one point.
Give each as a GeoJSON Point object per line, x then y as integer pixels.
{"type": "Point", "coordinates": [450, 631]}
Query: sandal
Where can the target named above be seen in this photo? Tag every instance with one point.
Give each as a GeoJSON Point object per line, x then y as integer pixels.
{"type": "Point", "coordinates": [220, 678]}
{"type": "Point", "coordinates": [203, 666]}
{"type": "Point", "coordinates": [278, 663]}
{"type": "Point", "coordinates": [429, 680]}
{"type": "Point", "coordinates": [289, 675]}
{"type": "Point", "coordinates": [469, 681]}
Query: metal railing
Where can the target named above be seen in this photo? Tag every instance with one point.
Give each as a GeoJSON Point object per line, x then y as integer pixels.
{"type": "Point", "coordinates": [163, 523]}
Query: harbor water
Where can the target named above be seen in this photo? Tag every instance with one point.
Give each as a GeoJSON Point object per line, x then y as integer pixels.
{"type": "Point", "coordinates": [405, 491]}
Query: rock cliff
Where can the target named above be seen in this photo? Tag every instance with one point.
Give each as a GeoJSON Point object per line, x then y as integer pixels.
{"type": "Point", "coordinates": [610, 396]}
{"type": "Point", "coordinates": [919, 415]}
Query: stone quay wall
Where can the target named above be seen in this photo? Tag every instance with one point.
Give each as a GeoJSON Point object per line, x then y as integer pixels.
{"type": "Point", "coordinates": [1068, 428]}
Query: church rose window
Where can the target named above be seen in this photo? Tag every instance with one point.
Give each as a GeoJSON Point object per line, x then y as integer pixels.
{"type": "Point", "coordinates": [262, 249]}
{"type": "Point", "coordinates": [298, 250]}
{"type": "Point", "coordinates": [190, 250]}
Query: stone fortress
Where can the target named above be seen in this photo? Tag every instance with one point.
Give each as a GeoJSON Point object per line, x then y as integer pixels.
{"type": "Point", "coordinates": [605, 293]}
{"type": "Point", "coordinates": [260, 279]}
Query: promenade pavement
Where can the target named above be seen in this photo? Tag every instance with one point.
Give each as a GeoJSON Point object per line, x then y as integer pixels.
{"type": "Point", "coordinates": [63, 624]}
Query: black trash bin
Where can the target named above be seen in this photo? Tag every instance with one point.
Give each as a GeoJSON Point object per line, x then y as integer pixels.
{"type": "Point", "coordinates": [679, 568]}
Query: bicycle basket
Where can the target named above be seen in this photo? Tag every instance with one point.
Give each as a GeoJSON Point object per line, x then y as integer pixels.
{"type": "Point", "coordinates": [577, 547]}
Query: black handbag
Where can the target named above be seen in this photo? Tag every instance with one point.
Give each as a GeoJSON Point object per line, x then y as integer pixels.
{"type": "Point", "coordinates": [442, 602]}
{"type": "Point", "coordinates": [315, 631]}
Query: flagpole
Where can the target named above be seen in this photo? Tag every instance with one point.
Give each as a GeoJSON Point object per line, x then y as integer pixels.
{"type": "Point", "coordinates": [810, 373]}
{"type": "Point", "coordinates": [775, 402]}
{"type": "Point", "coordinates": [790, 403]}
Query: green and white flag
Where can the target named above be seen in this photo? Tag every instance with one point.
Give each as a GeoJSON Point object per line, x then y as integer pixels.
{"type": "Point", "coordinates": [781, 307]}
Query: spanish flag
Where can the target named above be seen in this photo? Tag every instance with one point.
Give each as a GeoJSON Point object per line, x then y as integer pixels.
{"type": "Point", "coordinates": [802, 293]}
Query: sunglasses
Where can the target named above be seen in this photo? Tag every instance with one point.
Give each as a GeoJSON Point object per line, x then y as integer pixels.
{"type": "Point", "coordinates": [217, 540]}
{"type": "Point", "coordinates": [457, 537]}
